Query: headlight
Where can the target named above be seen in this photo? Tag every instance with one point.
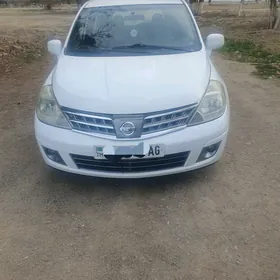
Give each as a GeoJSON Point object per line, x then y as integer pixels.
{"type": "Point", "coordinates": [48, 110]}
{"type": "Point", "coordinates": [212, 105]}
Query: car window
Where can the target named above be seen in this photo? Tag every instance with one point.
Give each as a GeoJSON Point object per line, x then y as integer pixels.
{"type": "Point", "coordinates": [151, 28]}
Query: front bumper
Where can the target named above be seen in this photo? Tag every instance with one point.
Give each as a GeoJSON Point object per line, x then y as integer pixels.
{"type": "Point", "coordinates": [192, 139]}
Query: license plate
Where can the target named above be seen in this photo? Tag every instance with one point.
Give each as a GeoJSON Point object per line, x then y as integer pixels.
{"type": "Point", "coordinates": [156, 150]}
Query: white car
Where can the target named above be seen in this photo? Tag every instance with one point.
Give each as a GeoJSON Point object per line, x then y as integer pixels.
{"type": "Point", "coordinates": [133, 94]}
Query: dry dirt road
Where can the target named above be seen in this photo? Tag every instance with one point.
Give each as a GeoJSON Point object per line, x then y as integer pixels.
{"type": "Point", "coordinates": [217, 223]}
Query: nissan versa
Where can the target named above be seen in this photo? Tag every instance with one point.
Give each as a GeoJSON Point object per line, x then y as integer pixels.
{"type": "Point", "coordinates": [133, 94]}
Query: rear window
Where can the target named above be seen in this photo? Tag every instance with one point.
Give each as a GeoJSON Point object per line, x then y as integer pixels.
{"type": "Point", "coordinates": [133, 29]}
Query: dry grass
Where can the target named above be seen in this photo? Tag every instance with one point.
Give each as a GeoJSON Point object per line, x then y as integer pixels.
{"type": "Point", "coordinates": [248, 38]}
{"type": "Point", "coordinates": [24, 32]}
{"type": "Point", "coordinates": [252, 26]}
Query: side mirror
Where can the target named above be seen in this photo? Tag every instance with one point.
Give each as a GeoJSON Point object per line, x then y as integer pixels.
{"type": "Point", "coordinates": [214, 41]}
{"type": "Point", "coordinates": [55, 47]}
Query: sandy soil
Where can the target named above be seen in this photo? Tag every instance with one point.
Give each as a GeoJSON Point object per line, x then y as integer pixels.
{"type": "Point", "coordinates": [217, 223]}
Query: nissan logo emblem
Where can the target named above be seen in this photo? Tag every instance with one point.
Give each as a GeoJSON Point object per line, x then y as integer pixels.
{"type": "Point", "coordinates": [127, 128]}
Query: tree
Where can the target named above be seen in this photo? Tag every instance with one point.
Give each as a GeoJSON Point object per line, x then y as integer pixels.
{"type": "Point", "coordinates": [240, 7]}
{"type": "Point", "coordinates": [80, 3]}
{"type": "Point", "coordinates": [277, 23]}
{"type": "Point", "coordinates": [273, 13]}
{"type": "Point", "coordinates": [196, 6]}
{"type": "Point", "coordinates": [48, 4]}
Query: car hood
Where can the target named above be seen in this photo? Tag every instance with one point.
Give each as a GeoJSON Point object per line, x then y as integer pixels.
{"type": "Point", "coordinates": [129, 85]}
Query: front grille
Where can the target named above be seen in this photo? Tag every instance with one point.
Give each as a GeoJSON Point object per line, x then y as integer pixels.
{"type": "Point", "coordinates": [145, 124]}
{"type": "Point", "coordinates": [167, 120]}
{"type": "Point", "coordinates": [91, 123]}
{"type": "Point", "coordinates": [131, 165]}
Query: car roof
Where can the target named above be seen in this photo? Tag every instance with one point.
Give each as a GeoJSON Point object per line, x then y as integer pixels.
{"type": "Point", "coordinates": [100, 3]}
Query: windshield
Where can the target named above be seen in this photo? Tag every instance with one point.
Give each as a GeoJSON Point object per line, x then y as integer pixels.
{"type": "Point", "coordinates": [151, 28]}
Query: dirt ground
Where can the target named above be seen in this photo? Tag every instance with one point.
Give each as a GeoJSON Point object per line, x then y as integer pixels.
{"type": "Point", "coordinates": [218, 223]}
{"type": "Point", "coordinates": [252, 25]}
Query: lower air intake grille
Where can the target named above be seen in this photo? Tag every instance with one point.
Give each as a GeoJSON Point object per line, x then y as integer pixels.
{"type": "Point", "coordinates": [131, 165]}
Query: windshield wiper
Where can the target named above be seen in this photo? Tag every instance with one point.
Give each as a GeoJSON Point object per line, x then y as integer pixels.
{"type": "Point", "coordinates": [151, 47]}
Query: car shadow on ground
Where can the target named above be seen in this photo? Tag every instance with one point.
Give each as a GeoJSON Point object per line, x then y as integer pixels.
{"type": "Point", "coordinates": [87, 185]}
